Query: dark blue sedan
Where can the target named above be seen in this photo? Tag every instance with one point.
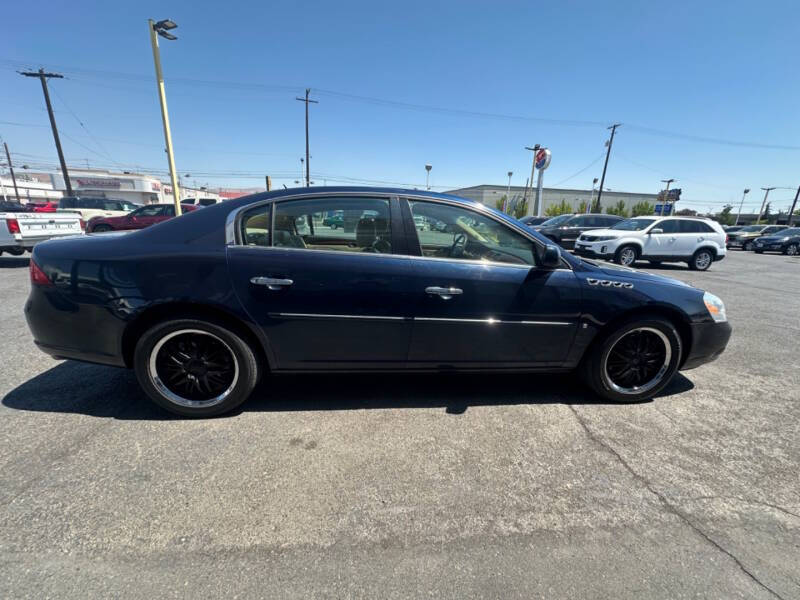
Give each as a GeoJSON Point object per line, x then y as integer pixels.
{"type": "Point", "coordinates": [204, 305]}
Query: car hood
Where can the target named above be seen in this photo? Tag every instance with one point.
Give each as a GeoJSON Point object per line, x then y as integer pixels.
{"type": "Point", "coordinates": [746, 234]}
{"type": "Point", "coordinates": [618, 271]}
{"type": "Point", "coordinates": [771, 238]}
{"type": "Point", "coordinates": [609, 232]}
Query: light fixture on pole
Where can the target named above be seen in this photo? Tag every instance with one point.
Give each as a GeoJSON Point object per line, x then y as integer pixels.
{"type": "Point", "coordinates": [162, 28]}
{"type": "Point", "coordinates": [590, 208]}
{"type": "Point", "coordinates": [767, 190]}
{"type": "Point", "coordinates": [746, 191]}
{"type": "Point", "coordinates": [508, 192]}
{"type": "Point", "coordinates": [428, 176]}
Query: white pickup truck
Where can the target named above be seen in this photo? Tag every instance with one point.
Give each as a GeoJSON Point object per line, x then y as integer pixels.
{"type": "Point", "coordinates": [21, 231]}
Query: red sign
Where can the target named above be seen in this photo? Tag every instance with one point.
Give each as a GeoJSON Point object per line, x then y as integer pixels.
{"type": "Point", "coordinates": [99, 183]}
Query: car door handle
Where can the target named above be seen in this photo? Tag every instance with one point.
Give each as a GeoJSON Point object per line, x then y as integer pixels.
{"type": "Point", "coordinates": [445, 293]}
{"type": "Point", "coordinates": [272, 283]}
{"type": "Point", "coordinates": [700, 239]}
{"type": "Point", "coordinates": [672, 239]}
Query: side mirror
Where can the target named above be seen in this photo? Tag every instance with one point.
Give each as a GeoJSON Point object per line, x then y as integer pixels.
{"type": "Point", "coordinates": [656, 230]}
{"type": "Point", "coordinates": [550, 257]}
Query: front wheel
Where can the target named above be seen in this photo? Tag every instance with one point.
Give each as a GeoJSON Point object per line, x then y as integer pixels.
{"type": "Point", "coordinates": [195, 368]}
{"type": "Point", "coordinates": [792, 250]}
{"type": "Point", "coordinates": [626, 256]}
{"type": "Point", "coordinates": [701, 260]}
{"type": "Point", "coordinates": [15, 251]}
{"type": "Point", "coordinates": [747, 246]}
{"type": "Point", "coordinates": [635, 361]}
{"type": "Point", "coordinates": [101, 228]}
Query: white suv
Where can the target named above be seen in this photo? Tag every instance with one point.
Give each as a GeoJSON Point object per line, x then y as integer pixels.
{"type": "Point", "coordinates": [696, 241]}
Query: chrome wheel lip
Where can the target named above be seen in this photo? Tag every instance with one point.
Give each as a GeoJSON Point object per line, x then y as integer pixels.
{"type": "Point", "coordinates": [627, 256]}
{"type": "Point", "coordinates": [657, 378]}
{"type": "Point", "coordinates": [152, 372]}
{"type": "Point", "coordinates": [705, 262]}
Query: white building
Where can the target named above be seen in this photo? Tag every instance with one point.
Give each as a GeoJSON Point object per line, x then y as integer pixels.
{"type": "Point", "coordinates": [31, 188]}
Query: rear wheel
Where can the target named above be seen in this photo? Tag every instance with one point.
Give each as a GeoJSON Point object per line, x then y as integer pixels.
{"type": "Point", "coordinates": [747, 246]}
{"type": "Point", "coordinates": [701, 260]}
{"type": "Point", "coordinates": [635, 361]}
{"type": "Point", "coordinates": [101, 228]}
{"type": "Point", "coordinates": [792, 250]}
{"type": "Point", "coordinates": [195, 368]}
{"type": "Point", "coordinates": [15, 251]}
{"type": "Point", "coordinates": [626, 255]}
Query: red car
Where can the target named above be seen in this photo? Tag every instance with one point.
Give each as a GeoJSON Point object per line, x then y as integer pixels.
{"type": "Point", "coordinates": [45, 207]}
{"type": "Point", "coordinates": [136, 219]}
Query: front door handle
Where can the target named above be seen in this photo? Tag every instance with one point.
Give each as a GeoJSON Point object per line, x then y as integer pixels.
{"type": "Point", "coordinates": [445, 293]}
{"type": "Point", "coordinates": [272, 283]}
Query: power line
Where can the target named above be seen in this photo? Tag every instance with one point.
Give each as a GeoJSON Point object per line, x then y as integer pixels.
{"type": "Point", "coordinates": [586, 168]}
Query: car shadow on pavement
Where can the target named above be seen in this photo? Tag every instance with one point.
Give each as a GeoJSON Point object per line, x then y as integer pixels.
{"type": "Point", "coordinates": [98, 391]}
{"type": "Point", "coordinates": [14, 262]}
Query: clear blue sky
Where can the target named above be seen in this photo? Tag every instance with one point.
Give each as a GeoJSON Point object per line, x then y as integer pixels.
{"type": "Point", "coordinates": [724, 70]}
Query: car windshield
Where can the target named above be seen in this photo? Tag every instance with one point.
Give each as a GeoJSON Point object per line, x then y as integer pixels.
{"type": "Point", "coordinates": [633, 224]}
{"type": "Point", "coordinates": [751, 229]}
{"type": "Point", "coordinates": [559, 220]}
{"type": "Point", "coordinates": [792, 231]}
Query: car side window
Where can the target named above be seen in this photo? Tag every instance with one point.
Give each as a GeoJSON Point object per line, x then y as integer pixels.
{"type": "Point", "coordinates": [687, 226]}
{"type": "Point", "coordinates": [668, 226]}
{"type": "Point", "coordinates": [255, 226]}
{"type": "Point", "coordinates": [343, 224]}
{"type": "Point", "coordinates": [148, 211]}
{"type": "Point", "coordinates": [166, 211]}
{"type": "Point", "coordinates": [608, 221]}
{"type": "Point", "coordinates": [462, 234]}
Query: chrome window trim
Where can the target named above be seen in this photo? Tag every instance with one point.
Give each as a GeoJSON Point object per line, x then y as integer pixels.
{"type": "Point", "coordinates": [231, 225]}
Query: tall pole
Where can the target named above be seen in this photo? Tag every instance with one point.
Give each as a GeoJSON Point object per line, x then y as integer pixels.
{"type": "Point", "coordinates": [741, 204]}
{"type": "Point", "coordinates": [308, 156]}
{"type": "Point", "coordinates": [666, 195]}
{"type": "Point", "coordinates": [162, 98]}
{"type": "Point", "coordinates": [613, 129]}
{"type": "Point", "coordinates": [427, 176]}
{"type": "Point", "coordinates": [11, 168]}
{"type": "Point", "coordinates": [539, 204]}
{"type": "Point", "coordinates": [590, 207]}
{"type": "Point", "coordinates": [529, 205]}
{"type": "Point", "coordinates": [43, 77]}
{"type": "Point", "coordinates": [508, 192]}
{"type": "Point", "coordinates": [767, 190]}
{"type": "Point", "coordinates": [791, 210]}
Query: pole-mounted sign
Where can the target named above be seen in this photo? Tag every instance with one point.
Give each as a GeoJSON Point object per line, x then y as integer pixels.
{"type": "Point", "coordinates": [541, 163]}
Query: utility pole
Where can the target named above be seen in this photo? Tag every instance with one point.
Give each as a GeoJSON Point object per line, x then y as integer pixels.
{"type": "Point", "coordinates": [529, 206]}
{"type": "Point", "coordinates": [664, 200]}
{"type": "Point", "coordinates": [791, 210]}
{"type": "Point", "coordinates": [11, 168]}
{"type": "Point", "coordinates": [590, 207]}
{"type": "Point", "coordinates": [428, 177]}
{"type": "Point", "coordinates": [308, 157]}
{"type": "Point", "coordinates": [767, 190]}
{"type": "Point", "coordinates": [613, 129]}
{"type": "Point", "coordinates": [508, 192]}
{"type": "Point", "coordinates": [268, 181]}
{"type": "Point", "coordinates": [162, 28]}
{"type": "Point", "coordinates": [43, 77]}
{"type": "Point", "coordinates": [741, 204]}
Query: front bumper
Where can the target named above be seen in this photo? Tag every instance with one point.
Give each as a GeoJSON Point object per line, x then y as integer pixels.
{"type": "Point", "coordinates": [737, 243]}
{"type": "Point", "coordinates": [593, 249]}
{"type": "Point", "coordinates": [774, 247]}
{"type": "Point", "coordinates": [708, 342]}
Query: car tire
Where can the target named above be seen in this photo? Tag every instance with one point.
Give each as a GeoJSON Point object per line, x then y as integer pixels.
{"type": "Point", "coordinates": [792, 250]}
{"type": "Point", "coordinates": [15, 251]}
{"type": "Point", "coordinates": [599, 371]}
{"type": "Point", "coordinates": [204, 348]}
{"type": "Point", "coordinates": [101, 228]}
{"type": "Point", "coordinates": [624, 257]}
{"type": "Point", "coordinates": [759, 251]}
{"type": "Point", "coordinates": [747, 246]}
{"type": "Point", "coordinates": [701, 260]}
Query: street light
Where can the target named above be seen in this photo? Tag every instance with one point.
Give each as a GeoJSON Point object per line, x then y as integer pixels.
{"type": "Point", "coordinates": [428, 176]}
{"type": "Point", "coordinates": [746, 191]}
{"type": "Point", "coordinates": [590, 208]}
{"type": "Point", "coordinates": [767, 190]}
{"type": "Point", "coordinates": [161, 28]}
{"type": "Point", "coordinates": [666, 194]}
{"type": "Point", "coordinates": [508, 192]}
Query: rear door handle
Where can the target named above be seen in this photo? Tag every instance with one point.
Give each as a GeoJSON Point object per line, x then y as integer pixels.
{"type": "Point", "coordinates": [445, 293]}
{"type": "Point", "coordinates": [271, 283]}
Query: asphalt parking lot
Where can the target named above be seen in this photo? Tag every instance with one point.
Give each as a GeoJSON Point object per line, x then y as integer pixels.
{"type": "Point", "coordinates": [395, 486]}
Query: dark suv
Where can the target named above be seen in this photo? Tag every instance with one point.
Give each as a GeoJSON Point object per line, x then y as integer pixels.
{"type": "Point", "coordinates": [565, 229]}
{"type": "Point", "coordinates": [745, 237]}
{"type": "Point", "coordinates": [786, 241]}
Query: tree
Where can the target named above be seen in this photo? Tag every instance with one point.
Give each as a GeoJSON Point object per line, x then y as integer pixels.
{"type": "Point", "coordinates": [500, 202]}
{"type": "Point", "coordinates": [583, 206]}
{"type": "Point", "coordinates": [618, 209]}
{"type": "Point", "coordinates": [558, 209]}
{"type": "Point", "coordinates": [725, 217]}
{"type": "Point", "coordinates": [521, 208]}
{"type": "Point", "coordinates": [686, 212]}
{"type": "Point", "coordinates": [642, 208]}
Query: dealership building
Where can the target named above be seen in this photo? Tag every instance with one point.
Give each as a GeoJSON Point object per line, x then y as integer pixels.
{"type": "Point", "coordinates": [490, 195]}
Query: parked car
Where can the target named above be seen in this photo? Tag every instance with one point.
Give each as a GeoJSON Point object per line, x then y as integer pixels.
{"type": "Point", "coordinates": [786, 241]}
{"type": "Point", "coordinates": [334, 221]}
{"type": "Point", "coordinates": [138, 219]}
{"type": "Point", "coordinates": [89, 207]}
{"type": "Point", "coordinates": [565, 229]}
{"type": "Point", "coordinates": [21, 231]}
{"type": "Point", "coordinates": [745, 237]}
{"type": "Point", "coordinates": [14, 207]}
{"type": "Point", "coordinates": [531, 221]}
{"type": "Point", "coordinates": [201, 201]}
{"type": "Point", "coordinates": [694, 240]}
{"type": "Point", "coordinates": [200, 308]}
{"type": "Point", "coordinates": [732, 228]}
{"type": "Point", "coordinates": [45, 206]}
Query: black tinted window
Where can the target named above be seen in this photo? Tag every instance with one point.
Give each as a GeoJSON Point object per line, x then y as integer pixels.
{"type": "Point", "coordinates": [668, 226]}
{"type": "Point", "coordinates": [608, 221]}
{"type": "Point", "coordinates": [66, 203]}
{"type": "Point", "coordinates": [256, 225]}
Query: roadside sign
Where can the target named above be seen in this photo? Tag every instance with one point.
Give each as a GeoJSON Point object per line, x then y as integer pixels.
{"type": "Point", "coordinates": [663, 209]}
{"type": "Point", "coordinates": [542, 159]}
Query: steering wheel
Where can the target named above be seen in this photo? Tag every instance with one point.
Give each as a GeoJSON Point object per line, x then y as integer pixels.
{"type": "Point", "coordinates": [459, 245]}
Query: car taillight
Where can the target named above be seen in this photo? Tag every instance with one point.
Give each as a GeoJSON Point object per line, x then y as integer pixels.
{"type": "Point", "coordinates": [13, 226]}
{"type": "Point", "coordinates": [83, 225]}
{"type": "Point", "coordinates": [727, 238]}
{"type": "Point", "coordinates": [38, 276]}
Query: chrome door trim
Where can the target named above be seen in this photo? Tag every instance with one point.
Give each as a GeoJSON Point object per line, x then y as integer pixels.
{"type": "Point", "coordinates": [324, 316]}
{"type": "Point", "coordinates": [487, 321]}
{"type": "Point", "coordinates": [490, 321]}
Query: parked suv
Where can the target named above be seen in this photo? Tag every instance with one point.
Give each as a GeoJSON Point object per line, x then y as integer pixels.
{"type": "Point", "coordinates": [745, 237]}
{"type": "Point", "coordinates": [786, 241]}
{"type": "Point", "coordinates": [565, 229]}
{"type": "Point", "coordinates": [699, 242]}
{"type": "Point", "coordinates": [95, 207]}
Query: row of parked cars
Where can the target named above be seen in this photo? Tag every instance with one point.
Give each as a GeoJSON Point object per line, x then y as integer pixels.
{"type": "Point", "coordinates": [765, 238]}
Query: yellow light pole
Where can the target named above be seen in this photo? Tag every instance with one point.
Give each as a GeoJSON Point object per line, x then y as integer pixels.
{"type": "Point", "coordinates": [162, 28]}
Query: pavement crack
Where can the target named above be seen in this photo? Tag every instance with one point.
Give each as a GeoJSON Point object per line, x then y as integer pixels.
{"type": "Point", "coordinates": [749, 501]}
{"type": "Point", "coordinates": [668, 506]}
